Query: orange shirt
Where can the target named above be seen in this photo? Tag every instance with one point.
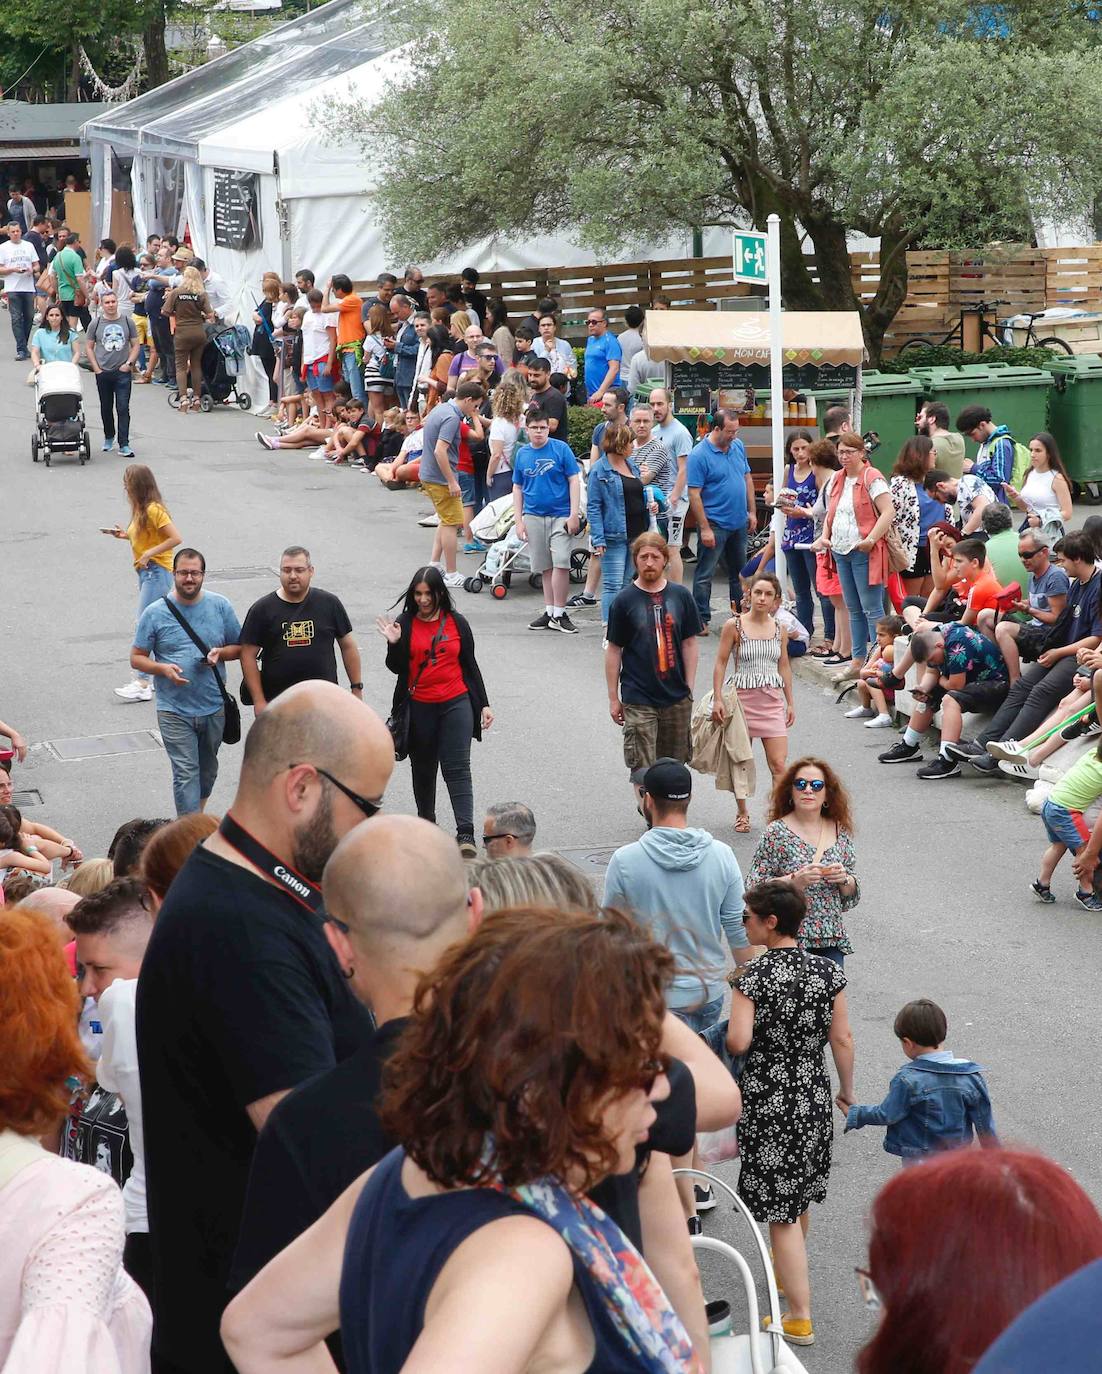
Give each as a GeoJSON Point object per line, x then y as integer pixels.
{"type": "Point", "coordinates": [981, 595]}
{"type": "Point", "coordinates": [350, 327]}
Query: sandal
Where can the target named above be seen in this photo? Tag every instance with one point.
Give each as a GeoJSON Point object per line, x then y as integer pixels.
{"type": "Point", "coordinates": [742, 825]}
{"type": "Point", "coordinates": [821, 651]}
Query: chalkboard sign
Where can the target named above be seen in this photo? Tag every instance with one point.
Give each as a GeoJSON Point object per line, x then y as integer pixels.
{"type": "Point", "coordinates": [236, 209]}
{"type": "Point", "coordinates": [737, 376]}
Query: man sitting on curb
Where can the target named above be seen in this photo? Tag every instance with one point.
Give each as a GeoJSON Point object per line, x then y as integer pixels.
{"type": "Point", "coordinates": [970, 494]}
{"type": "Point", "coordinates": [1044, 683]}
{"type": "Point", "coordinates": [964, 672]}
{"type": "Point", "coordinates": [1046, 597]}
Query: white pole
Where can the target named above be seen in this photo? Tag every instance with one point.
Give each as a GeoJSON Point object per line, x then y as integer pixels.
{"type": "Point", "coordinates": [773, 270]}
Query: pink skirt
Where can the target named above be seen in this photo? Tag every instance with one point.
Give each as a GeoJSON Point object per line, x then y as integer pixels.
{"type": "Point", "coordinates": [763, 708]}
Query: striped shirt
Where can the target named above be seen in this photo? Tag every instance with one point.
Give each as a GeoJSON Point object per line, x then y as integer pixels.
{"type": "Point", "coordinates": [759, 662]}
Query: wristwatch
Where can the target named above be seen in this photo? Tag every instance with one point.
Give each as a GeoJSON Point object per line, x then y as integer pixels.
{"type": "Point", "coordinates": [355, 686]}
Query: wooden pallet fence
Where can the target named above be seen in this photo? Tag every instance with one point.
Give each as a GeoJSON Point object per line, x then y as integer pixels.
{"type": "Point", "coordinates": [1073, 277]}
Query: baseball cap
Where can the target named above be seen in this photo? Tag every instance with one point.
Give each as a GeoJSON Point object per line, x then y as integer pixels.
{"type": "Point", "coordinates": [668, 780]}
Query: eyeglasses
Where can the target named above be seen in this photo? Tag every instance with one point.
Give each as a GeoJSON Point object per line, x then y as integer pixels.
{"type": "Point", "coordinates": [488, 840]}
{"type": "Point", "coordinates": [802, 784]}
{"type": "Point", "coordinates": [368, 807]}
{"type": "Point", "coordinates": [873, 1301]}
{"type": "Point", "coordinates": [188, 575]}
{"type": "Point", "coordinates": [594, 321]}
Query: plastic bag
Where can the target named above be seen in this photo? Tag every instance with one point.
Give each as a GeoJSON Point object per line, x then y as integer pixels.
{"type": "Point", "coordinates": [717, 1147]}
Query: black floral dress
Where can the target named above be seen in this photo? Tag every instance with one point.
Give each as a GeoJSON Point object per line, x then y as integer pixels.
{"type": "Point", "coordinates": [787, 1128]}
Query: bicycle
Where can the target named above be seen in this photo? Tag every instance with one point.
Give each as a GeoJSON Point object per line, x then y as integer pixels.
{"type": "Point", "coordinates": [955, 337]}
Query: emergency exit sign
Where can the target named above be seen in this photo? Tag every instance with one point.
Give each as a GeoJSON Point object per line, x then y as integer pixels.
{"type": "Point", "coordinates": [749, 255]}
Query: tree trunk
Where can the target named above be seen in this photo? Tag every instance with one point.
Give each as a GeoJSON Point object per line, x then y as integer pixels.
{"type": "Point", "coordinates": [156, 54]}
{"type": "Point", "coordinates": [73, 92]}
{"type": "Point", "coordinates": [891, 292]}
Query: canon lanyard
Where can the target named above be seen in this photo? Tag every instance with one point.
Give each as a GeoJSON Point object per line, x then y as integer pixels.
{"type": "Point", "coordinates": [304, 892]}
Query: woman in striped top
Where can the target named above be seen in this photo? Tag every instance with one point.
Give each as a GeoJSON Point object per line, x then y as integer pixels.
{"type": "Point", "coordinates": [762, 678]}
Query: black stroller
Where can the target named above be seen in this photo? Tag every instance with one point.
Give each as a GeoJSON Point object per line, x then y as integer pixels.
{"type": "Point", "coordinates": [222, 358]}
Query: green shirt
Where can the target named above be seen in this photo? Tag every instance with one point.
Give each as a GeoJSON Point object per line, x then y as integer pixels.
{"type": "Point", "coordinates": [67, 267]}
{"type": "Point", "coordinates": [1002, 554]}
{"type": "Point", "coordinates": [949, 453]}
{"type": "Point", "coordinates": [1081, 785]}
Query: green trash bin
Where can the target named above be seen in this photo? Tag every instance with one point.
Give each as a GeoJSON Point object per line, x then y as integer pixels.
{"type": "Point", "coordinates": [1075, 414]}
{"type": "Point", "coordinates": [1016, 396]}
{"type": "Point", "coordinates": [889, 404]}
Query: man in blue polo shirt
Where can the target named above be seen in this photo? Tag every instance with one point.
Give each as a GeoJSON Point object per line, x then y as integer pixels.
{"type": "Point", "coordinates": [721, 497]}
{"type": "Point", "coordinates": [603, 356]}
{"type": "Point", "coordinates": [547, 494]}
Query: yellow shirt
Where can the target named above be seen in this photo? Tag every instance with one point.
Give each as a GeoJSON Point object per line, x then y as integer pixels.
{"type": "Point", "coordinates": [149, 534]}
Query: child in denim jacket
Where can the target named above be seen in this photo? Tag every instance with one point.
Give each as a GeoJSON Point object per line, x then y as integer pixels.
{"type": "Point", "coordinates": [937, 1100]}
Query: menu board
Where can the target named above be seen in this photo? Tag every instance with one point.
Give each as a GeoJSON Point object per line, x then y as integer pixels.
{"type": "Point", "coordinates": [236, 209]}
{"type": "Point", "coordinates": [737, 376]}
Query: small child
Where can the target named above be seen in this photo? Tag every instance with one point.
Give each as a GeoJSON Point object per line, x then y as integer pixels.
{"type": "Point", "coordinates": [935, 1102]}
{"type": "Point", "coordinates": [293, 388]}
{"type": "Point", "coordinates": [1062, 813]}
{"type": "Point", "coordinates": [871, 692]}
{"type": "Point", "coordinates": [346, 441]}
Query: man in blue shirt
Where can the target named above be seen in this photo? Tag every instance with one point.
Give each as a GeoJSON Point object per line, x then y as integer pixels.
{"type": "Point", "coordinates": [721, 497]}
{"type": "Point", "coordinates": [547, 494]}
{"type": "Point", "coordinates": [603, 356]}
{"type": "Point", "coordinates": [190, 713]}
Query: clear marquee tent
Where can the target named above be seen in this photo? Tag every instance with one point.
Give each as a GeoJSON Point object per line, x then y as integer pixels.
{"type": "Point", "coordinates": [232, 151]}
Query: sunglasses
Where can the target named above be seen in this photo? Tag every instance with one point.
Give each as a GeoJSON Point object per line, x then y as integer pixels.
{"type": "Point", "coordinates": [1025, 557]}
{"type": "Point", "coordinates": [650, 1072]}
{"type": "Point", "coordinates": [368, 807]}
{"type": "Point", "coordinates": [802, 784]}
{"type": "Point", "coordinates": [488, 840]}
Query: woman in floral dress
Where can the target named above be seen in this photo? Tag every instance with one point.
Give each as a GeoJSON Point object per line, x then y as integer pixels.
{"type": "Point", "coordinates": [785, 1008]}
{"type": "Point", "coordinates": [809, 839]}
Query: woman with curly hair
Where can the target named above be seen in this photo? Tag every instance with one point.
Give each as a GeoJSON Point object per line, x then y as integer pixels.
{"type": "Point", "coordinates": [809, 839]}
{"type": "Point", "coordinates": [507, 407]}
{"type": "Point", "coordinates": [64, 1296]}
{"type": "Point", "coordinates": [527, 1075]}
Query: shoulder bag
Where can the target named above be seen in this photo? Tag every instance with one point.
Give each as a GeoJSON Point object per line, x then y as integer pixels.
{"type": "Point", "coordinates": [899, 560]}
{"type": "Point", "coordinates": [231, 729]}
{"type": "Point", "coordinates": [398, 720]}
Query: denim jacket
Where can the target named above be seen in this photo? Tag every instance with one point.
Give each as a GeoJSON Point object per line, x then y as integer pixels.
{"type": "Point", "coordinates": [605, 503]}
{"type": "Point", "coordinates": [931, 1106]}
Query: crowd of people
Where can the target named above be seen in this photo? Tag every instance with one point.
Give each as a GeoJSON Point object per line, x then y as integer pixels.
{"type": "Point", "coordinates": [312, 1084]}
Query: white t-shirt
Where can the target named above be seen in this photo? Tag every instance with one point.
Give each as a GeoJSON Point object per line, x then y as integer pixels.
{"type": "Point", "coordinates": [503, 429]}
{"type": "Point", "coordinates": [315, 339]}
{"type": "Point", "coordinates": [844, 533]}
{"type": "Point", "coordinates": [117, 1071]}
{"type": "Point", "coordinates": [21, 255]}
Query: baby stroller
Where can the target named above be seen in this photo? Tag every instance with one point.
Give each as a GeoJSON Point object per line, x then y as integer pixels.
{"type": "Point", "coordinates": [508, 553]}
{"type": "Point", "coordinates": [59, 424]}
{"type": "Point", "coordinates": [226, 348]}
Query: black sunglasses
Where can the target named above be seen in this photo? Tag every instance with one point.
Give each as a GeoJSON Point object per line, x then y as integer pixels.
{"type": "Point", "coordinates": [501, 835]}
{"type": "Point", "coordinates": [369, 808]}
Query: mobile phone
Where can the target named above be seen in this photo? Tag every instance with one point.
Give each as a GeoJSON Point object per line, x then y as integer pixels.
{"type": "Point", "coordinates": [103, 531]}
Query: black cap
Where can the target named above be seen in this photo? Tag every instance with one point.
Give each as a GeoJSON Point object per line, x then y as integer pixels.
{"type": "Point", "coordinates": [668, 780]}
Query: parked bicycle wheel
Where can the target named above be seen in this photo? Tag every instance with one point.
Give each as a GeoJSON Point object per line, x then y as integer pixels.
{"type": "Point", "coordinates": [1060, 345]}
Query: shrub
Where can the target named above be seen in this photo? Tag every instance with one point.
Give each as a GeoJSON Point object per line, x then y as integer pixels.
{"type": "Point", "coordinates": [581, 421]}
{"type": "Point", "coordinates": [946, 356]}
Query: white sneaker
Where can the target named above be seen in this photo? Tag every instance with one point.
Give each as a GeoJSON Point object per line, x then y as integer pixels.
{"type": "Point", "coordinates": [860, 713]}
{"type": "Point", "coordinates": [1048, 772]}
{"type": "Point", "coordinates": [1008, 749]}
{"type": "Point", "coordinates": [881, 722]}
{"type": "Point", "coordinates": [436, 563]}
{"type": "Point", "coordinates": [430, 521]}
{"type": "Point", "coordinates": [454, 579]}
{"type": "Point", "coordinates": [319, 455]}
{"type": "Point", "coordinates": [135, 691]}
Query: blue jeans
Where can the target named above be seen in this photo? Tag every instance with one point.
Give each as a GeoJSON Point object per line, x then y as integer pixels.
{"type": "Point", "coordinates": [801, 569]}
{"type": "Point", "coordinates": [191, 743]}
{"type": "Point", "coordinates": [864, 603]}
{"type": "Point", "coordinates": [153, 583]}
{"type": "Point", "coordinates": [730, 543]}
{"type": "Point", "coordinates": [21, 309]}
{"type": "Point", "coordinates": [831, 952]}
{"type": "Point", "coordinates": [114, 396]}
{"type": "Point", "coordinates": [614, 563]}
{"type": "Point", "coordinates": [702, 1018]}
{"type": "Point", "coordinates": [353, 374]}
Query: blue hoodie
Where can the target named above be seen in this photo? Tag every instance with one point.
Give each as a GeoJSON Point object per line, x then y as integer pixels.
{"type": "Point", "coordinates": [686, 888]}
{"type": "Point", "coordinates": [933, 1103]}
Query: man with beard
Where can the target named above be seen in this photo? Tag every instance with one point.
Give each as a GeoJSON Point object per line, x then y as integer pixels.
{"type": "Point", "coordinates": [240, 997]}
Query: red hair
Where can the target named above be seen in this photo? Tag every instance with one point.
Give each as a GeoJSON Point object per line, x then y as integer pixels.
{"type": "Point", "coordinates": [961, 1245]}
{"type": "Point", "coordinates": [39, 1009]}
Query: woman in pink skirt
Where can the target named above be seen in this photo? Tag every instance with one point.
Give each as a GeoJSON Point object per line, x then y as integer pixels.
{"type": "Point", "coordinates": [762, 678]}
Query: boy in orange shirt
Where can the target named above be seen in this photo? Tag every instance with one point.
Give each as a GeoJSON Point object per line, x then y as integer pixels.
{"type": "Point", "coordinates": [976, 586]}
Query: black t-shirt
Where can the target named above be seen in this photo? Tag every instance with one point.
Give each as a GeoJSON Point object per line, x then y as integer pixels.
{"type": "Point", "coordinates": [649, 628]}
{"type": "Point", "coordinates": [556, 405]}
{"type": "Point", "coordinates": [673, 1133]}
{"type": "Point", "coordinates": [296, 638]}
{"type": "Point", "coordinates": [239, 997]}
{"type": "Point", "coordinates": [635, 508]}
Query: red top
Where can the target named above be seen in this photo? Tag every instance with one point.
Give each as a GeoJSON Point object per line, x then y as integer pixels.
{"type": "Point", "coordinates": [442, 679]}
{"type": "Point", "coordinates": [466, 462]}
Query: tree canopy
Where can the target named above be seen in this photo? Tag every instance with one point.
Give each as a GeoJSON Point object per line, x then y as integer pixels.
{"type": "Point", "coordinates": [930, 121]}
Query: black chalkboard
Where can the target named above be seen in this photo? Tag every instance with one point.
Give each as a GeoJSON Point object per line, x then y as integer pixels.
{"type": "Point", "coordinates": [236, 209]}
{"type": "Point", "coordinates": [732, 376]}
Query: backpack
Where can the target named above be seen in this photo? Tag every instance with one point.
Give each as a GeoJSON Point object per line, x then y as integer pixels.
{"type": "Point", "coordinates": [1021, 462]}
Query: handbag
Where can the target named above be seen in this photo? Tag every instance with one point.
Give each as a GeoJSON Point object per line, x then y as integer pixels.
{"type": "Point", "coordinates": [231, 728]}
{"type": "Point", "coordinates": [398, 720]}
{"type": "Point", "coordinates": [246, 695]}
{"type": "Point", "coordinates": [898, 558]}
{"type": "Point", "coordinates": [388, 367]}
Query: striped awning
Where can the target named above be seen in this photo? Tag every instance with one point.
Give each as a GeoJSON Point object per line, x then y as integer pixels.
{"type": "Point", "coordinates": [28, 150]}
{"type": "Point", "coordinates": [809, 338]}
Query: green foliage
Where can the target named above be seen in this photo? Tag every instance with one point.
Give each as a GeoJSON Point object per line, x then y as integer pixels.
{"type": "Point", "coordinates": [581, 421]}
{"type": "Point", "coordinates": [944, 356]}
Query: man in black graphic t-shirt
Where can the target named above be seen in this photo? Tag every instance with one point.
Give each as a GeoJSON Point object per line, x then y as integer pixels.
{"type": "Point", "coordinates": [289, 635]}
{"type": "Point", "coordinates": [651, 659]}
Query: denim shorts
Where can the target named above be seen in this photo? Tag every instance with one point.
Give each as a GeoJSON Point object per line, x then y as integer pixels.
{"type": "Point", "coordinates": [1064, 826]}
{"type": "Point", "coordinates": [317, 380]}
{"type": "Point", "coordinates": [466, 487]}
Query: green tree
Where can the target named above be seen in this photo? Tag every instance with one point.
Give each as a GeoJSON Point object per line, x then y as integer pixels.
{"type": "Point", "coordinates": [627, 120]}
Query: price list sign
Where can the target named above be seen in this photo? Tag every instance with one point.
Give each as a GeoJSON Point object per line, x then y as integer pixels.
{"type": "Point", "coordinates": [236, 209]}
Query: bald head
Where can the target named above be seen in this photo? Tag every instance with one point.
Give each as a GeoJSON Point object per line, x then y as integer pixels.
{"type": "Point", "coordinates": [54, 902]}
{"type": "Point", "coordinates": [319, 723]}
{"type": "Point", "coordinates": [399, 884]}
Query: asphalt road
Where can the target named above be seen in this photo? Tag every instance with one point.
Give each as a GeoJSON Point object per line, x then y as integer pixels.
{"type": "Point", "coordinates": [946, 910]}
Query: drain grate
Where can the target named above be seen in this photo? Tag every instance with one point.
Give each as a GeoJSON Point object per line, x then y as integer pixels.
{"type": "Point", "coordinates": [31, 797]}
{"type": "Point", "coordinates": [589, 860]}
{"type": "Point", "coordinates": [100, 746]}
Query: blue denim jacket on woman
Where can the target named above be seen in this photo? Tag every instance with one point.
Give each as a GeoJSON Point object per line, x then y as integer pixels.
{"type": "Point", "coordinates": [931, 1105]}
{"type": "Point", "coordinates": [605, 503]}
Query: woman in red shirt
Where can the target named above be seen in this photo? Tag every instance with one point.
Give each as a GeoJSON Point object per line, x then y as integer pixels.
{"type": "Point", "coordinates": [430, 648]}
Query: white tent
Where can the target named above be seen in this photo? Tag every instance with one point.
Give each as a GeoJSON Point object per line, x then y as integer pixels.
{"type": "Point", "coordinates": [254, 111]}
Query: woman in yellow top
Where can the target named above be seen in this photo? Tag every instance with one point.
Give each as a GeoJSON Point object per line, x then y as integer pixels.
{"type": "Point", "coordinates": [152, 537]}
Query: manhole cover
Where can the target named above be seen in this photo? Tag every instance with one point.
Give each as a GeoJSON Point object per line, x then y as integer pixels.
{"type": "Point", "coordinates": [590, 860]}
{"type": "Point", "coordinates": [32, 797]}
{"type": "Point", "coordinates": [241, 574]}
{"type": "Point", "coordinates": [98, 746]}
